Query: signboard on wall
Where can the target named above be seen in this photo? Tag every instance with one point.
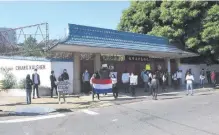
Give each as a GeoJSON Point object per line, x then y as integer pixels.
{"type": "Point", "coordinates": [136, 58]}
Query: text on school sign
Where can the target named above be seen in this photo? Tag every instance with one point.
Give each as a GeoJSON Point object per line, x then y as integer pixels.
{"type": "Point", "coordinates": [136, 58]}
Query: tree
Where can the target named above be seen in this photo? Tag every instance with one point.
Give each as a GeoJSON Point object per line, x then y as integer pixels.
{"type": "Point", "coordinates": [30, 47]}
{"type": "Point", "coordinates": [191, 25]}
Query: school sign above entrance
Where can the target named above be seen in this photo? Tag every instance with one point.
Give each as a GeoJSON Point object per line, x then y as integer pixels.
{"type": "Point", "coordinates": [86, 39]}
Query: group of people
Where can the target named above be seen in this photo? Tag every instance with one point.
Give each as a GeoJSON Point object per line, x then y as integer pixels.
{"type": "Point", "coordinates": [152, 82]}
{"type": "Point", "coordinates": [32, 84]}
{"type": "Point", "coordinates": [103, 73]}
{"type": "Point", "coordinates": [189, 79]}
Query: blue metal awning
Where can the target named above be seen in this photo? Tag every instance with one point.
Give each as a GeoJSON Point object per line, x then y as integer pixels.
{"type": "Point", "coordinates": [94, 37]}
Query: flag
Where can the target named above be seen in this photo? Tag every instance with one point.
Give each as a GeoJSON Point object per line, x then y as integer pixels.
{"type": "Point", "coordinates": [102, 85]}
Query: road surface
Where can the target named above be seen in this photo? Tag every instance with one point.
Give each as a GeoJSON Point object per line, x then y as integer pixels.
{"type": "Point", "coordinates": [185, 115]}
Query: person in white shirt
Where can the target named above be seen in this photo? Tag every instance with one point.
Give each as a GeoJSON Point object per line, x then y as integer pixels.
{"type": "Point", "coordinates": [189, 83]}
{"type": "Point", "coordinates": [202, 79]}
{"type": "Point", "coordinates": [179, 78]}
{"type": "Point", "coordinates": [125, 81]}
{"type": "Point", "coordinates": [174, 77]}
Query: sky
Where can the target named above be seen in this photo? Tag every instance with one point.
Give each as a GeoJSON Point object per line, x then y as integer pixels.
{"type": "Point", "coordinates": [104, 14]}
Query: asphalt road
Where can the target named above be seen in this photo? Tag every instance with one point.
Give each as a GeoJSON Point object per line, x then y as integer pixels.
{"type": "Point", "coordinates": [192, 115]}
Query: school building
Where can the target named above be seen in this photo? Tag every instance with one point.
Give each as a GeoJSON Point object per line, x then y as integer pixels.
{"type": "Point", "coordinates": [120, 50]}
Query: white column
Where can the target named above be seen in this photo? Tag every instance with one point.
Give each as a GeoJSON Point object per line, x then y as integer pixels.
{"type": "Point", "coordinates": [76, 73]}
{"type": "Point", "coordinates": [169, 71]}
{"type": "Point", "coordinates": [97, 62]}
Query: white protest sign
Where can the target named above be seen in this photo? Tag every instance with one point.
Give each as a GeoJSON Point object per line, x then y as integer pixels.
{"type": "Point", "coordinates": [134, 80]}
{"type": "Point", "coordinates": [63, 86]}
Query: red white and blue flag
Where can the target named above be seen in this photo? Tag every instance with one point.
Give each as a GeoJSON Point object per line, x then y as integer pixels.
{"type": "Point", "coordinates": [102, 85]}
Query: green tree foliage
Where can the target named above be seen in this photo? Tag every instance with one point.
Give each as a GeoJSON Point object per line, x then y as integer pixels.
{"type": "Point", "coordinates": [30, 47]}
{"type": "Point", "coordinates": [192, 25]}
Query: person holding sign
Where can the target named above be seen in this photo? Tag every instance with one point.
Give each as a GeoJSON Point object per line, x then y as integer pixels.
{"type": "Point", "coordinates": [62, 88]}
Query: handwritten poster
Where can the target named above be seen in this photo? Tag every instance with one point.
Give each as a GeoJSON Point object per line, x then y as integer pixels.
{"type": "Point", "coordinates": [134, 80]}
{"type": "Point", "coordinates": [147, 67]}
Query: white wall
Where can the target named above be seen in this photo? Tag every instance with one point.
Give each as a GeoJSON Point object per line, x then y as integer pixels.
{"type": "Point", "coordinates": [20, 68]}
{"type": "Point", "coordinates": [58, 68]}
{"type": "Point", "coordinates": [196, 70]}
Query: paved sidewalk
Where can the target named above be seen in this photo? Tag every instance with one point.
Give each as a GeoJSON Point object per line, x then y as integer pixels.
{"type": "Point", "coordinates": [11, 104]}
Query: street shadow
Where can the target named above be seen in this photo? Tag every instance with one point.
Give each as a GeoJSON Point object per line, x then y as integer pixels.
{"type": "Point", "coordinates": [167, 94]}
{"type": "Point", "coordinates": [170, 98]}
{"type": "Point", "coordinates": [205, 94]}
{"type": "Point", "coordinates": [63, 110]}
{"type": "Point", "coordinates": [13, 104]}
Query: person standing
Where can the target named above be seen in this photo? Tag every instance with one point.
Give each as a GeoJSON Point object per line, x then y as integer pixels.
{"type": "Point", "coordinates": [28, 86]}
{"type": "Point", "coordinates": [125, 81]}
{"type": "Point", "coordinates": [142, 84]}
{"type": "Point", "coordinates": [213, 78]}
{"type": "Point", "coordinates": [149, 82]}
{"type": "Point", "coordinates": [154, 86]}
{"type": "Point", "coordinates": [115, 89]}
{"type": "Point", "coordinates": [202, 72]}
{"type": "Point", "coordinates": [164, 79]}
{"type": "Point", "coordinates": [202, 79]}
{"type": "Point", "coordinates": [36, 83]}
{"type": "Point", "coordinates": [174, 77]}
{"type": "Point", "coordinates": [65, 76]}
{"type": "Point", "coordinates": [86, 79]}
{"type": "Point", "coordinates": [179, 78]}
{"type": "Point", "coordinates": [53, 83]}
{"type": "Point", "coordinates": [95, 76]}
{"type": "Point", "coordinates": [104, 72]}
{"type": "Point", "coordinates": [208, 73]}
{"type": "Point", "coordinates": [189, 83]}
{"type": "Point", "coordinates": [145, 80]}
{"type": "Point", "coordinates": [132, 84]}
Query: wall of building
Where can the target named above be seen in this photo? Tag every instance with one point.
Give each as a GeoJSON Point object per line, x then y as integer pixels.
{"type": "Point", "coordinates": [59, 66]}
{"type": "Point", "coordinates": [20, 67]}
{"type": "Point", "coordinates": [196, 69]}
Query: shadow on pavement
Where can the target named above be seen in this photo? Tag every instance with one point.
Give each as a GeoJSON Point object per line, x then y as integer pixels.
{"type": "Point", "coordinates": [170, 98]}
{"type": "Point", "coordinates": [205, 94]}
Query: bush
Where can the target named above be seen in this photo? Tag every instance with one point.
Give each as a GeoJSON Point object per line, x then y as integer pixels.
{"type": "Point", "coordinates": [21, 84]}
{"type": "Point", "coordinates": [9, 80]}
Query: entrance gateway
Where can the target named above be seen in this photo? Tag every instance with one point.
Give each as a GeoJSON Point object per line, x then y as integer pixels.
{"type": "Point", "coordinates": [99, 41]}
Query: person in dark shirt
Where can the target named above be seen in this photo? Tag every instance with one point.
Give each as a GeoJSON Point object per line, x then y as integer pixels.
{"type": "Point", "coordinates": [208, 73]}
{"type": "Point", "coordinates": [28, 87]}
{"type": "Point", "coordinates": [53, 83]}
{"type": "Point", "coordinates": [104, 72]}
{"type": "Point", "coordinates": [65, 75]}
